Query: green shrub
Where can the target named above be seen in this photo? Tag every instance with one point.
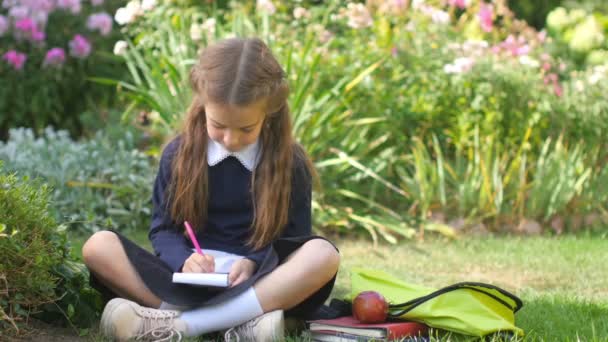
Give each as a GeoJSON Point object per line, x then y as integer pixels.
{"type": "Point", "coordinates": [579, 34]}
{"type": "Point", "coordinates": [97, 183]}
{"type": "Point", "coordinates": [37, 275]}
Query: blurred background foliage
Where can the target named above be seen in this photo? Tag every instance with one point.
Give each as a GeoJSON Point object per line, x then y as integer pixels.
{"type": "Point", "coordinates": [438, 116]}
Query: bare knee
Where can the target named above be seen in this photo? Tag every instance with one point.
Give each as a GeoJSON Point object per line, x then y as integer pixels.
{"type": "Point", "coordinates": [325, 255]}
{"type": "Point", "coordinates": [99, 246]}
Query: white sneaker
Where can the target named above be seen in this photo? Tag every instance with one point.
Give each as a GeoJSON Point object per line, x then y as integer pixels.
{"type": "Point", "coordinates": [123, 319]}
{"type": "Point", "coordinates": [265, 328]}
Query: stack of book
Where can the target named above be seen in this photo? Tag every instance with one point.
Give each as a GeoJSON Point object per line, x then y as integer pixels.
{"type": "Point", "coordinates": [347, 329]}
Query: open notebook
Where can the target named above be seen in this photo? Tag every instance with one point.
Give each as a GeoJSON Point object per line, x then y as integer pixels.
{"type": "Point", "coordinates": [223, 263]}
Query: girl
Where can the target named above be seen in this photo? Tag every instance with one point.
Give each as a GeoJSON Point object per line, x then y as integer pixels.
{"type": "Point", "coordinates": [237, 175]}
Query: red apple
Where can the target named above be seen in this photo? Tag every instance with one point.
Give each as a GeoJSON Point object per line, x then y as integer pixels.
{"type": "Point", "coordinates": [370, 307]}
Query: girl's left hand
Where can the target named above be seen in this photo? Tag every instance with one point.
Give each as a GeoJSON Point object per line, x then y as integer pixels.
{"type": "Point", "coordinates": [240, 271]}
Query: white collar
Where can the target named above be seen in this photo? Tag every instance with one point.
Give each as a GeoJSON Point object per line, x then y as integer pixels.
{"type": "Point", "coordinates": [249, 156]}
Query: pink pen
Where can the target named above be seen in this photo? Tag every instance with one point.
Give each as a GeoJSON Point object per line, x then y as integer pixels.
{"type": "Point", "coordinates": [193, 238]}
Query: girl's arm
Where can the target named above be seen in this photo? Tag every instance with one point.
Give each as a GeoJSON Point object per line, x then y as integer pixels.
{"type": "Point", "coordinates": [167, 239]}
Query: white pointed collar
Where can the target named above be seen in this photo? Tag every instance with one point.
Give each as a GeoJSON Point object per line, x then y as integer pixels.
{"type": "Point", "coordinates": [249, 156]}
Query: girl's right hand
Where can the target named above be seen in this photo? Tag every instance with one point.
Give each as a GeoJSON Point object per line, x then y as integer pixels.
{"type": "Point", "coordinates": [197, 263]}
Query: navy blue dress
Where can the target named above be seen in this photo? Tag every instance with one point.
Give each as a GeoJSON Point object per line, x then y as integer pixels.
{"type": "Point", "coordinates": [230, 213]}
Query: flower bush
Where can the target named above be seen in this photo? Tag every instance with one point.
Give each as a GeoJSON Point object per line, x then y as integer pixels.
{"type": "Point", "coordinates": [47, 49]}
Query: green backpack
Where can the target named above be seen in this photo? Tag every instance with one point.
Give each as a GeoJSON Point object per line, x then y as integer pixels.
{"type": "Point", "coordinates": [468, 308]}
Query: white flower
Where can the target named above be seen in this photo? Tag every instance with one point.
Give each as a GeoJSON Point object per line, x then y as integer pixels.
{"type": "Point", "coordinates": [440, 17]}
{"type": "Point", "coordinates": [266, 6]}
{"type": "Point", "coordinates": [120, 48]}
{"type": "Point", "coordinates": [358, 16]}
{"type": "Point", "coordinates": [417, 3]}
{"type": "Point", "coordinates": [301, 12]}
{"type": "Point", "coordinates": [528, 61]}
{"type": "Point", "coordinates": [147, 5]}
{"type": "Point", "coordinates": [475, 44]}
{"type": "Point", "coordinates": [595, 77]}
{"type": "Point", "coordinates": [123, 16]}
{"type": "Point", "coordinates": [454, 46]}
{"type": "Point", "coordinates": [128, 14]}
{"type": "Point", "coordinates": [459, 66]}
{"type": "Point", "coordinates": [18, 12]}
{"type": "Point", "coordinates": [209, 26]}
{"type": "Point", "coordinates": [437, 16]}
{"type": "Point", "coordinates": [154, 116]}
{"type": "Point", "coordinates": [325, 36]}
{"type": "Point", "coordinates": [196, 33]}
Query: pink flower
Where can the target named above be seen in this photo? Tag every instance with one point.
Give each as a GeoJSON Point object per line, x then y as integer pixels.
{"type": "Point", "coordinates": [462, 4]}
{"type": "Point", "coordinates": [15, 59]}
{"type": "Point", "coordinates": [72, 5]}
{"type": "Point", "coordinates": [80, 47]}
{"type": "Point", "coordinates": [26, 28]}
{"type": "Point", "coordinates": [266, 6]}
{"type": "Point", "coordinates": [3, 25]}
{"type": "Point", "coordinates": [26, 25]}
{"type": "Point", "coordinates": [38, 36]}
{"type": "Point", "coordinates": [486, 12]}
{"type": "Point", "coordinates": [100, 21]}
{"type": "Point", "coordinates": [39, 5]}
{"type": "Point", "coordinates": [542, 36]}
{"type": "Point", "coordinates": [553, 81]}
{"type": "Point", "coordinates": [557, 88]}
{"type": "Point", "coordinates": [516, 47]}
{"type": "Point", "coordinates": [394, 51]}
{"type": "Point", "coordinates": [55, 57]}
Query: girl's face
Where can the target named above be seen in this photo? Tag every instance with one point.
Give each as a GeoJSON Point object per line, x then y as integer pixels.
{"type": "Point", "coordinates": [233, 126]}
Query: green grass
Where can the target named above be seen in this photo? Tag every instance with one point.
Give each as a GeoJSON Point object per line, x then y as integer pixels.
{"type": "Point", "coordinates": [561, 280]}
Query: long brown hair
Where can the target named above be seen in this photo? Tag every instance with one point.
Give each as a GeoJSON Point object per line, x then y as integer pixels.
{"type": "Point", "coordinates": [239, 72]}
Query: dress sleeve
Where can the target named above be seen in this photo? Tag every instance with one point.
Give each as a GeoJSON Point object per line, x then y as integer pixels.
{"type": "Point", "coordinates": [167, 239]}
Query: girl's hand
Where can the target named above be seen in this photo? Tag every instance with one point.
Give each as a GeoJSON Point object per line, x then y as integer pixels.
{"type": "Point", "coordinates": [240, 271]}
{"type": "Point", "coordinates": [197, 263]}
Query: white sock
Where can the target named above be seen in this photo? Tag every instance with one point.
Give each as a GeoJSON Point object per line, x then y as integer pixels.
{"type": "Point", "coordinates": [228, 314]}
{"type": "Point", "coordinates": [168, 306]}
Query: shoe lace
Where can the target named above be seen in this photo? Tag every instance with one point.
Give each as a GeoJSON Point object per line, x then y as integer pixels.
{"type": "Point", "coordinates": [244, 330]}
{"type": "Point", "coordinates": [157, 325]}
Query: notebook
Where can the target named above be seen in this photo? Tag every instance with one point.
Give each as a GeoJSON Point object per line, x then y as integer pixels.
{"type": "Point", "coordinates": [350, 325]}
{"type": "Point", "coordinates": [202, 279]}
{"type": "Point", "coordinates": [223, 263]}
{"type": "Point", "coordinates": [334, 336]}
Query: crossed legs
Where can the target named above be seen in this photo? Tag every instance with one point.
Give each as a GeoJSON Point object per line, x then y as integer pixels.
{"type": "Point", "coordinates": [303, 273]}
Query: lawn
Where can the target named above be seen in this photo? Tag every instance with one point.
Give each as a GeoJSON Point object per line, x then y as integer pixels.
{"type": "Point", "coordinates": [561, 280]}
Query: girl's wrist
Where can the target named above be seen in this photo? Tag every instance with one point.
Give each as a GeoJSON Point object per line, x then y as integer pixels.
{"type": "Point", "coordinates": [253, 264]}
